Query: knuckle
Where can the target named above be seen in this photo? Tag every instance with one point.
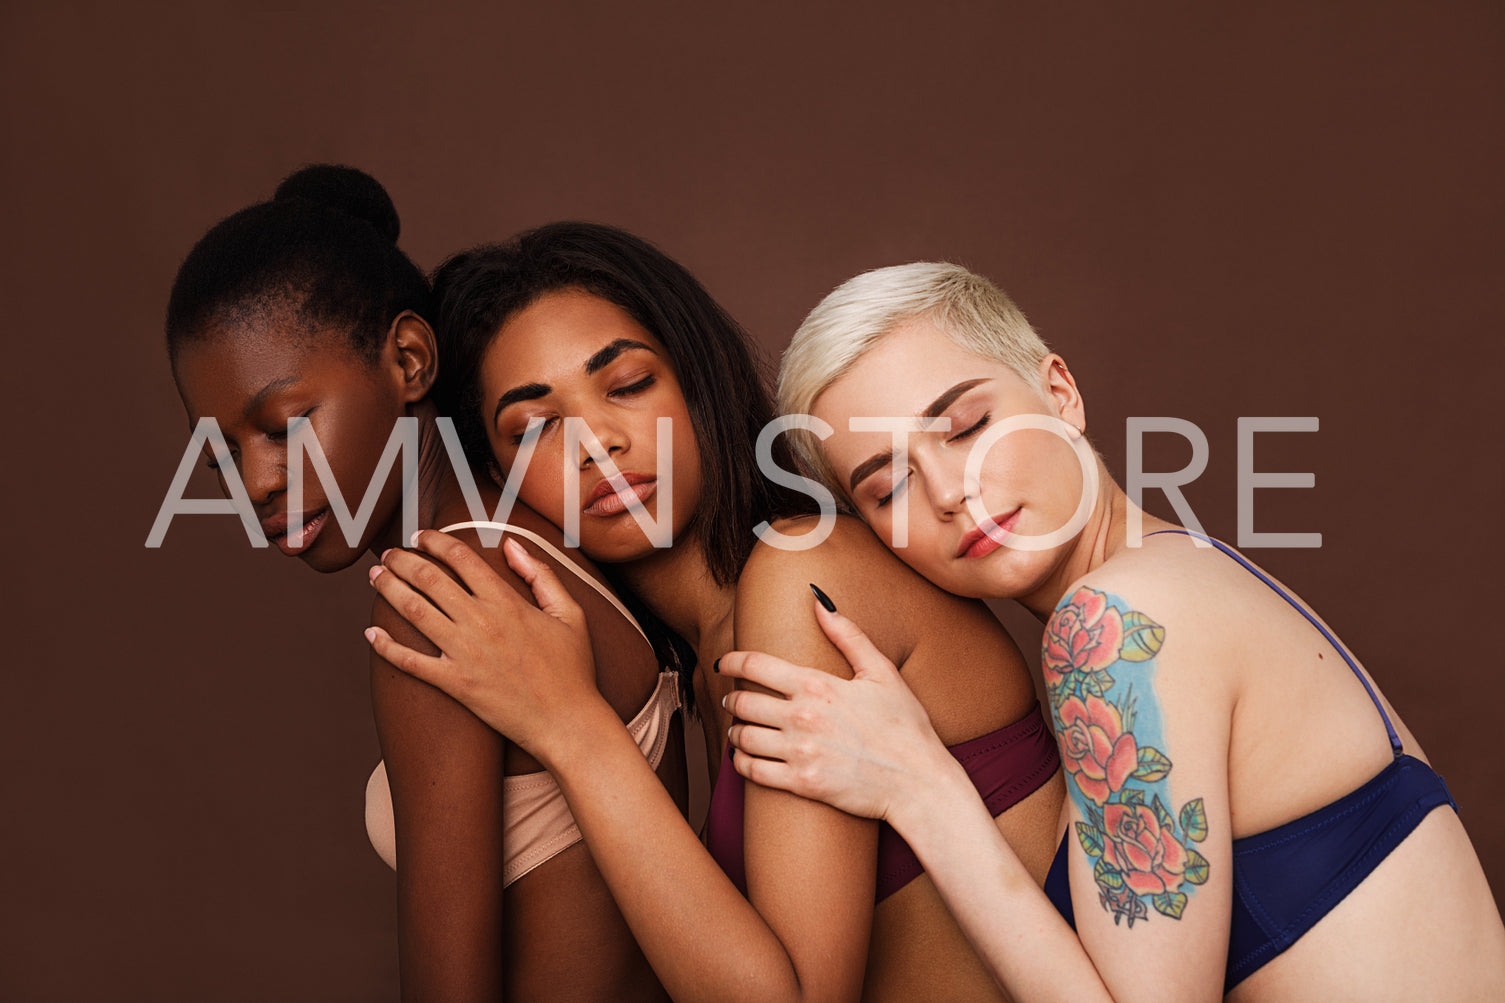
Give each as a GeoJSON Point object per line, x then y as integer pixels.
{"type": "Point", "coordinates": [818, 686]}
{"type": "Point", "coordinates": [413, 609]}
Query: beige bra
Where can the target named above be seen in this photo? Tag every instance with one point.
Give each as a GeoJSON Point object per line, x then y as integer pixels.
{"type": "Point", "coordinates": [538, 823]}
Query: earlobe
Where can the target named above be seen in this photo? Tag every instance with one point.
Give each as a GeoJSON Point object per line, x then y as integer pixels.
{"type": "Point", "coordinates": [416, 353]}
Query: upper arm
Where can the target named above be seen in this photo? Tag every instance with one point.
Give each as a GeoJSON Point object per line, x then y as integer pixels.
{"type": "Point", "coordinates": [445, 768]}
{"type": "Point", "coordinates": [1141, 710]}
{"type": "Point", "coordinates": [811, 869]}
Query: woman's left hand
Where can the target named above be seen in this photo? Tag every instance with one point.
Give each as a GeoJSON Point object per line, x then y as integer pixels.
{"type": "Point", "coordinates": [526, 671]}
{"type": "Point", "coordinates": [863, 745]}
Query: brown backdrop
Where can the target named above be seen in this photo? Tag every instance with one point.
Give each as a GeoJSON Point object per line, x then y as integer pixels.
{"type": "Point", "coordinates": [1211, 213]}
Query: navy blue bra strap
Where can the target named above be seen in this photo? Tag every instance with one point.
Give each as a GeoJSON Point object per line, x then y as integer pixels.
{"type": "Point", "coordinates": [1395, 742]}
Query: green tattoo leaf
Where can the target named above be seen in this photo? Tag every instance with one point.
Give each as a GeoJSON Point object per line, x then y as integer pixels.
{"type": "Point", "coordinates": [1194, 820]}
{"type": "Point", "coordinates": [1091, 839]}
{"type": "Point", "coordinates": [1163, 814]}
{"type": "Point", "coordinates": [1107, 877]}
{"type": "Point", "coordinates": [1091, 686]}
{"type": "Point", "coordinates": [1153, 765]}
{"type": "Point", "coordinates": [1171, 904]}
{"type": "Point", "coordinates": [1142, 637]}
{"type": "Point", "coordinates": [1197, 867]}
{"type": "Point", "coordinates": [1131, 795]}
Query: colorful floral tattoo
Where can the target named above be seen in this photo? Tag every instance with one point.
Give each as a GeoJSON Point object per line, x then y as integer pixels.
{"type": "Point", "coordinates": [1112, 742]}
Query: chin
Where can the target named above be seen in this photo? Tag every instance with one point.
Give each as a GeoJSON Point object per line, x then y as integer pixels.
{"type": "Point", "coordinates": [329, 563]}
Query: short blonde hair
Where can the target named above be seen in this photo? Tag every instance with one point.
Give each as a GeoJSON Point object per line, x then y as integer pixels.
{"type": "Point", "coordinates": [862, 311]}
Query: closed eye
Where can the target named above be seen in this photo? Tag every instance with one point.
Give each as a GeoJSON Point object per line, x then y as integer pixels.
{"type": "Point", "coordinates": [537, 425]}
{"type": "Point", "coordinates": [973, 429]}
{"type": "Point", "coordinates": [903, 482]}
{"type": "Point", "coordinates": [634, 388]}
{"type": "Point", "coordinates": [280, 434]}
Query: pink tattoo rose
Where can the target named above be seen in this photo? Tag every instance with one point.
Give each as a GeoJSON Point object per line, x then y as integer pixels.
{"type": "Point", "coordinates": [1147, 854]}
{"type": "Point", "coordinates": [1098, 753]}
{"type": "Point", "coordinates": [1085, 635]}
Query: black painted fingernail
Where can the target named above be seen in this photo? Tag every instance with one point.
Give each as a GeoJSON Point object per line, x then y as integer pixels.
{"type": "Point", "coordinates": [716, 666]}
{"type": "Point", "coordinates": [825, 600]}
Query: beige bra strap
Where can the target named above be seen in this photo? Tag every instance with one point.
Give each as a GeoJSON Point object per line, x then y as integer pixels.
{"type": "Point", "coordinates": [559, 556]}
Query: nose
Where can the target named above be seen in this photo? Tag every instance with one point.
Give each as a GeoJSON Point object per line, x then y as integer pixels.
{"type": "Point", "coordinates": [949, 490]}
{"type": "Point", "coordinates": [600, 436]}
{"type": "Point", "coordinates": [263, 471]}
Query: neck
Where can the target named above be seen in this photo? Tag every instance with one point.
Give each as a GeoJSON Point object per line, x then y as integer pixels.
{"type": "Point", "coordinates": [436, 484]}
{"type": "Point", "coordinates": [676, 584]}
{"type": "Point", "coordinates": [1103, 536]}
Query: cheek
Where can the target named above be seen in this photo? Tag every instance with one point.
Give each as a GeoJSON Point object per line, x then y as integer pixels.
{"type": "Point", "coordinates": [542, 484]}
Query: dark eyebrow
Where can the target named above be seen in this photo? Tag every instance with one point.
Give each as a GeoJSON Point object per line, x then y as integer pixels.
{"type": "Point", "coordinates": [526, 392]}
{"type": "Point", "coordinates": [607, 355]}
{"type": "Point", "coordinates": [593, 365]}
{"type": "Point", "coordinates": [869, 467]}
{"type": "Point", "coordinates": [948, 398]}
{"type": "Point", "coordinates": [878, 461]}
{"type": "Point", "coordinates": [274, 387]}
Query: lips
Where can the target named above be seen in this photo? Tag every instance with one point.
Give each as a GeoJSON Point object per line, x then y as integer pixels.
{"type": "Point", "coordinates": [985, 539]}
{"type": "Point", "coordinates": [606, 500]}
{"type": "Point", "coordinates": [275, 528]}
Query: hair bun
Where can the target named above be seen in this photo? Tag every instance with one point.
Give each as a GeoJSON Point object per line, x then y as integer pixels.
{"type": "Point", "coordinates": [344, 189]}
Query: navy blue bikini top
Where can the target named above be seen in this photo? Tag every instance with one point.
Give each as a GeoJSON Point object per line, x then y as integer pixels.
{"type": "Point", "coordinates": [1287, 879]}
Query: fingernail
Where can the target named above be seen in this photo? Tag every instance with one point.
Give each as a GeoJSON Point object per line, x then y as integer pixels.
{"type": "Point", "coordinates": [384, 554]}
{"type": "Point", "coordinates": [716, 666]}
{"type": "Point", "coordinates": [825, 600]}
{"type": "Point", "coordinates": [371, 635]}
{"type": "Point", "coordinates": [724, 700]}
{"type": "Point", "coordinates": [376, 569]}
{"type": "Point", "coordinates": [413, 540]}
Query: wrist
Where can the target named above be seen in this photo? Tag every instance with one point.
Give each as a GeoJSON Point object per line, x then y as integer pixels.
{"type": "Point", "coordinates": [577, 739]}
{"type": "Point", "coordinates": [930, 792]}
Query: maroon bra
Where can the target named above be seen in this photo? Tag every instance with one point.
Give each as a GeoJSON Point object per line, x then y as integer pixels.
{"type": "Point", "coordinates": [1006, 766]}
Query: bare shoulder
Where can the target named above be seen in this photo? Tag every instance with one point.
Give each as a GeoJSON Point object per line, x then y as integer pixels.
{"type": "Point", "coordinates": [898, 609]}
{"type": "Point", "coordinates": [626, 665]}
{"type": "Point", "coordinates": [1191, 603]}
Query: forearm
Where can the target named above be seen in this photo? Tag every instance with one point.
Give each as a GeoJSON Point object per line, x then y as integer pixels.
{"type": "Point", "coordinates": [703, 939]}
{"type": "Point", "coordinates": [1014, 928]}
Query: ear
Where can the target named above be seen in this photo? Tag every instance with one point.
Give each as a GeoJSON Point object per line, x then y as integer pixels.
{"type": "Point", "coordinates": [1061, 392]}
{"type": "Point", "coordinates": [411, 342]}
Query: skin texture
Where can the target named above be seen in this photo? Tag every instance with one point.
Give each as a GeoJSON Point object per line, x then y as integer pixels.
{"type": "Point", "coordinates": [809, 929]}
{"type": "Point", "coordinates": [1260, 717]}
{"type": "Point", "coordinates": [445, 766]}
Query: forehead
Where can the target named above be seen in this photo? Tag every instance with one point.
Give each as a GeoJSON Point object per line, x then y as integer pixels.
{"type": "Point", "coordinates": [549, 340]}
{"type": "Point", "coordinates": [221, 371]}
{"type": "Point", "coordinates": [901, 375]}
